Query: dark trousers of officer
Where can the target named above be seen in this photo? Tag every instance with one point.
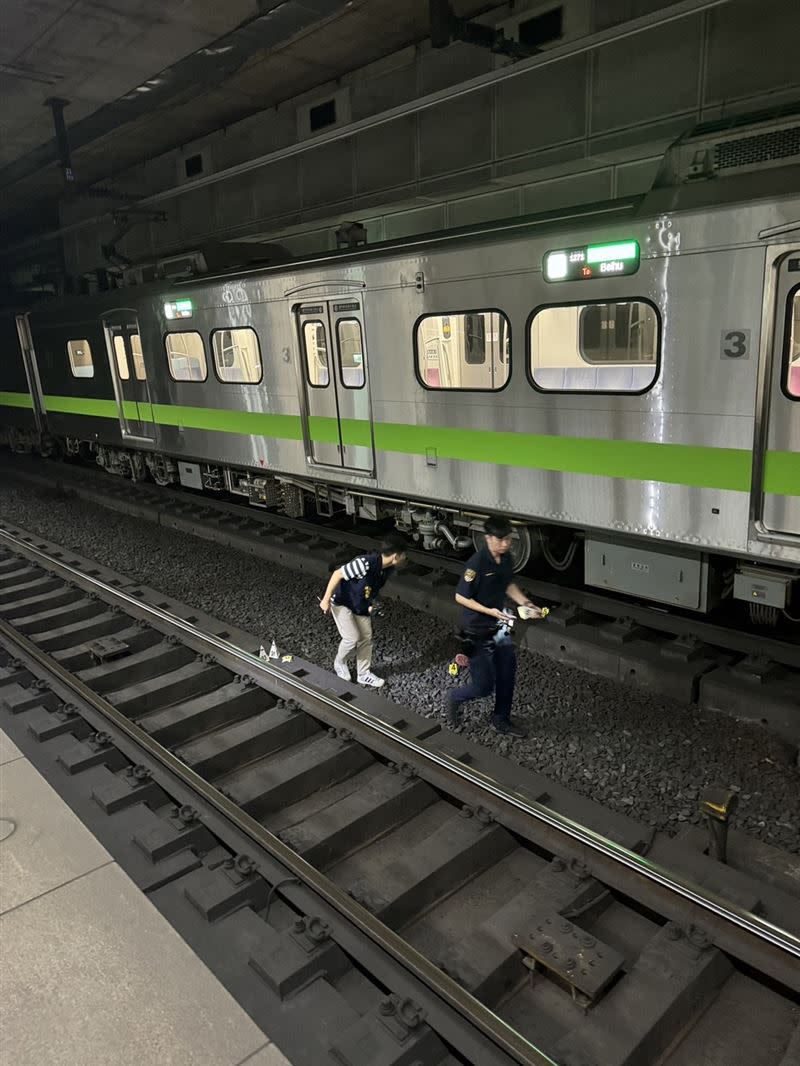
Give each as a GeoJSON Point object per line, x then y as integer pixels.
{"type": "Point", "coordinates": [491, 666]}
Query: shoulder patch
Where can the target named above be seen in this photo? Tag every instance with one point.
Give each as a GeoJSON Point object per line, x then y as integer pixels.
{"type": "Point", "coordinates": [469, 575]}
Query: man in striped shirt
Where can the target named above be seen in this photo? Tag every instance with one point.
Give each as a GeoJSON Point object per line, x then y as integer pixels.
{"type": "Point", "coordinates": [350, 597]}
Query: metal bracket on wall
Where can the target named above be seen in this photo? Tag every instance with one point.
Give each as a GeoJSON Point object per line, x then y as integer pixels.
{"type": "Point", "coordinates": [447, 27]}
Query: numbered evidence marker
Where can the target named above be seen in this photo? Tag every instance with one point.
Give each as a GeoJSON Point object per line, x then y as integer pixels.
{"type": "Point", "coordinates": [735, 344]}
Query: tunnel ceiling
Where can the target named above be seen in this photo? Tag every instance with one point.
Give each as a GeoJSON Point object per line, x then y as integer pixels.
{"type": "Point", "coordinates": [145, 76]}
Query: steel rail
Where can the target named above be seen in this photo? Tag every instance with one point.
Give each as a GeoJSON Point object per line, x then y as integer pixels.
{"type": "Point", "coordinates": [508, 1039]}
{"type": "Point", "coordinates": [710, 903]}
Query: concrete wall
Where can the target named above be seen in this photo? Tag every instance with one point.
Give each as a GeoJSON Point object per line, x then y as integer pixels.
{"type": "Point", "coordinates": [587, 128]}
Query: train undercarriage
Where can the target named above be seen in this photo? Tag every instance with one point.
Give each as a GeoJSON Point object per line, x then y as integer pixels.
{"type": "Point", "coordinates": [771, 593]}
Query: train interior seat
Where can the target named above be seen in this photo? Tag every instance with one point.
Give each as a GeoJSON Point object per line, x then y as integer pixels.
{"type": "Point", "coordinates": [632, 378]}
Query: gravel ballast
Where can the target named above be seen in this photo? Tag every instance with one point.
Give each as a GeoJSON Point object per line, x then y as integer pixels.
{"type": "Point", "coordinates": [631, 750]}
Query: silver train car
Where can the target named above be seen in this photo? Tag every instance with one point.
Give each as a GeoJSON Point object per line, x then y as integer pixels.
{"type": "Point", "coordinates": [623, 381]}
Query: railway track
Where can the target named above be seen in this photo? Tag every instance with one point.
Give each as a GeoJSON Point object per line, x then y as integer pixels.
{"type": "Point", "coordinates": [719, 667]}
{"type": "Point", "coordinates": [411, 897]}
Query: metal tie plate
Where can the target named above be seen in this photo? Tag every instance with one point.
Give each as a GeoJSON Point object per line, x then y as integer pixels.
{"type": "Point", "coordinates": [585, 963]}
{"type": "Point", "coordinates": [104, 649]}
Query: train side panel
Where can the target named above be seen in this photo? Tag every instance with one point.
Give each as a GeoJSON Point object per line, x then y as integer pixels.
{"type": "Point", "coordinates": [659, 446]}
{"type": "Point", "coordinates": [254, 425]}
{"type": "Point", "coordinates": [17, 420]}
{"type": "Point", "coordinates": [75, 375]}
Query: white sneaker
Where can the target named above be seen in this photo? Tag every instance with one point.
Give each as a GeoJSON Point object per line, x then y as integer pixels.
{"type": "Point", "coordinates": [372, 680]}
{"type": "Point", "coordinates": [343, 670]}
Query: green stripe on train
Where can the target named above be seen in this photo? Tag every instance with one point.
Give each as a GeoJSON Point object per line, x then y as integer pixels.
{"type": "Point", "coordinates": [782, 473]}
{"type": "Point", "coordinates": [250, 423]}
{"type": "Point", "coordinates": [80, 405]}
{"type": "Point", "coordinates": [678, 464]}
{"type": "Point", "coordinates": [16, 399]}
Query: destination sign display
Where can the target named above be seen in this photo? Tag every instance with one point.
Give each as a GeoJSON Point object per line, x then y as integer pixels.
{"type": "Point", "coordinates": [178, 309]}
{"type": "Point", "coordinates": [591, 261]}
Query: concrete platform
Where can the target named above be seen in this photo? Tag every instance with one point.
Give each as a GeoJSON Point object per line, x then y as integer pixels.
{"type": "Point", "coordinates": [91, 972]}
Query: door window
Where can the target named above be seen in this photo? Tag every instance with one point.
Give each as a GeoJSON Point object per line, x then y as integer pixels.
{"type": "Point", "coordinates": [121, 357]}
{"type": "Point", "coordinates": [138, 358]}
{"type": "Point", "coordinates": [792, 381]}
{"type": "Point", "coordinates": [351, 353]}
{"type": "Point", "coordinates": [315, 348]}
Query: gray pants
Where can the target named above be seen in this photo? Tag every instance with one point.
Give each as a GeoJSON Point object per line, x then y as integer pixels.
{"type": "Point", "coordinates": [356, 632]}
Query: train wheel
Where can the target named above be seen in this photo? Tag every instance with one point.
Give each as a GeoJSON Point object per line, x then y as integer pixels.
{"type": "Point", "coordinates": [520, 545]}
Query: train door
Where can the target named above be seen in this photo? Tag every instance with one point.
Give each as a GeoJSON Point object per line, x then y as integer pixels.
{"type": "Point", "coordinates": [333, 361]}
{"type": "Point", "coordinates": [781, 478]}
{"type": "Point", "coordinates": [129, 375]}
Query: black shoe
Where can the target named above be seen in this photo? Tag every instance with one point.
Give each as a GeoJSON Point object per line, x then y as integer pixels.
{"type": "Point", "coordinates": [452, 713]}
{"type": "Point", "coordinates": [507, 728]}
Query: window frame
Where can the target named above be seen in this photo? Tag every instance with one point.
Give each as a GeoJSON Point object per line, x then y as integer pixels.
{"type": "Point", "coordinates": [233, 329]}
{"type": "Point", "coordinates": [592, 392]}
{"type": "Point", "coordinates": [350, 388]}
{"type": "Point", "coordinates": [307, 375]}
{"type": "Point", "coordinates": [88, 343]}
{"type": "Point", "coordinates": [184, 381]}
{"type": "Point", "coordinates": [791, 295]}
{"type": "Point", "coordinates": [464, 312]}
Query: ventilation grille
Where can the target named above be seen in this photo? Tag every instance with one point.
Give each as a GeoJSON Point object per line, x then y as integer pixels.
{"type": "Point", "coordinates": [761, 148]}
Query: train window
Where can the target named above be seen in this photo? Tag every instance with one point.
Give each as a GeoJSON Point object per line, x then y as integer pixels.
{"type": "Point", "coordinates": [598, 347]}
{"type": "Point", "coordinates": [351, 353]}
{"type": "Point", "coordinates": [121, 357]}
{"type": "Point", "coordinates": [138, 358]}
{"type": "Point", "coordinates": [463, 351]}
{"type": "Point", "coordinates": [792, 382]}
{"type": "Point", "coordinates": [315, 346]}
{"type": "Point", "coordinates": [237, 356]}
{"type": "Point", "coordinates": [187, 356]}
{"type": "Point", "coordinates": [80, 359]}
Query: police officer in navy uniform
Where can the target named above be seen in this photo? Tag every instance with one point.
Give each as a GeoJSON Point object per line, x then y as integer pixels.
{"type": "Point", "coordinates": [482, 592]}
{"type": "Point", "coordinates": [350, 597]}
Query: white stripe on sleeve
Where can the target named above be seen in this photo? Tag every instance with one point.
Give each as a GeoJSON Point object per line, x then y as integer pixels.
{"type": "Point", "coordinates": [356, 569]}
